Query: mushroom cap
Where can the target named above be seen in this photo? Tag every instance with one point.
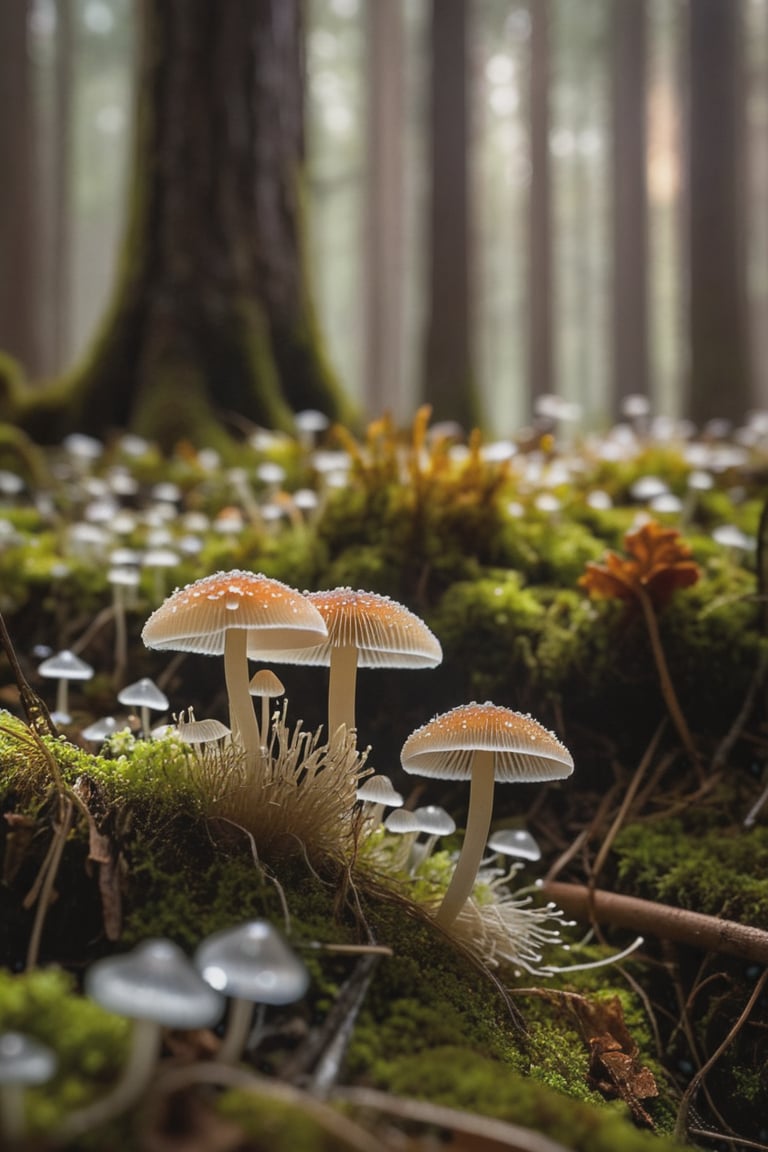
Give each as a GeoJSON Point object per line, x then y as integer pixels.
{"type": "Point", "coordinates": [252, 962]}
{"type": "Point", "coordinates": [385, 633]}
{"type": "Point", "coordinates": [517, 842]}
{"type": "Point", "coordinates": [266, 683]}
{"type": "Point", "coordinates": [143, 693]}
{"type": "Point", "coordinates": [196, 618]}
{"type": "Point", "coordinates": [401, 821]}
{"type": "Point", "coordinates": [155, 982]}
{"type": "Point", "coordinates": [379, 789]}
{"type": "Point", "coordinates": [524, 749]}
{"type": "Point", "coordinates": [65, 665]}
{"type": "Point", "coordinates": [24, 1060]}
{"type": "Point", "coordinates": [200, 731]}
{"type": "Point", "coordinates": [434, 820]}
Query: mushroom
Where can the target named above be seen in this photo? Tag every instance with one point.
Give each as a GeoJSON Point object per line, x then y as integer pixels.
{"type": "Point", "coordinates": [23, 1062]}
{"type": "Point", "coordinates": [156, 986]}
{"type": "Point", "coordinates": [252, 964]}
{"type": "Point", "coordinates": [64, 666]}
{"type": "Point", "coordinates": [365, 630]}
{"type": "Point", "coordinates": [143, 694]}
{"type": "Point", "coordinates": [234, 613]}
{"type": "Point", "coordinates": [515, 842]}
{"type": "Point", "coordinates": [377, 793]}
{"type": "Point", "coordinates": [482, 743]}
{"type": "Point", "coordinates": [267, 686]}
{"type": "Point", "coordinates": [435, 822]}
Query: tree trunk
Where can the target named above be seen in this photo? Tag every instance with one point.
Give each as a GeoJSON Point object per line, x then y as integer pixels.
{"type": "Point", "coordinates": [630, 204]}
{"type": "Point", "coordinates": [384, 207]}
{"type": "Point", "coordinates": [211, 318]}
{"type": "Point", "coordinates": [540, 336]}
{"type": "Point", "coordinates": [19, 334]}
{"type": "Point", "coordinates": [449, 385]}
{"type": "Point", "coordinates": [720, 385]}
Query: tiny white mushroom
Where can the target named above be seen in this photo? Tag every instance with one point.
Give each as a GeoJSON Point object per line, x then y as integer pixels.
{"type": "Point", "coordinates": [252, 964]}
{"type": "Point", "coordinates": [23, 1062]}
{"type": "Point", "coordinates": [64, 666]}
{"type": "Point", "coordinates": [143, 694]}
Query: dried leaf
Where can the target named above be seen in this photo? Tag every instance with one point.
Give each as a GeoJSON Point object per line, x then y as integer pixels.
{"type": "Point", "coordinates": [658, 563]}
{"type": "Point", "coordinates": [614, 1067]}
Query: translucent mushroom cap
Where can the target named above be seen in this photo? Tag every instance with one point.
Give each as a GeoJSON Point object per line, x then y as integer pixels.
{"type": "Point", "coordinates": [196, 618]}
{"type": "Point", "coordinates": [252, 962]}
{"type": "Point", "coordinates": [517, 842]}
{"type": "Point", "coordinates": [434, 820]}
{"type": "Point", "coordinates": [65, 665]}
{"type": "Point", "coordinates": [378, 789]}
{"type": "Point", "coordinates": [205, 731]}
{"type": "Point", "coordinates": [401, 821]}
{"type": "Point", "coordinates": [143, 693]}
{"type": "Point", "coordinates": [266, 683]}
{"type": "Point", "coordinates": [154, 982]}
{"type": "Point", "coordinates": [523, 749]}
{"type": "Point", "coordinates": [24, 1060]}
{"type": "Point", "coordinates": [385, 633]}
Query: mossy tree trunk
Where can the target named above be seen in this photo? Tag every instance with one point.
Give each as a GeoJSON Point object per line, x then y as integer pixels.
{"type": "Point", "coordinates": [211, 319]}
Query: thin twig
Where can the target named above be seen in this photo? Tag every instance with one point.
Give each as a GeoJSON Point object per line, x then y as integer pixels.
{"type": "Point", "coordinates": [513, 1137]}
{"type": "Point", "coordinates": [681, 1123]}
{"type": "Point", "coordinates": [61, 831]}
{"type": "Point", "coordinates": [723, 750]}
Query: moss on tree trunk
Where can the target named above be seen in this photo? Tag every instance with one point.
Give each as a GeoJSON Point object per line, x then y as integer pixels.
{"type": "Point", "coordinates": [211, 316]}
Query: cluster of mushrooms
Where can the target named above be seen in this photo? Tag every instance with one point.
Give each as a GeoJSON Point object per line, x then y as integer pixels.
{"type": "Point", "coordinates": [243, 615]}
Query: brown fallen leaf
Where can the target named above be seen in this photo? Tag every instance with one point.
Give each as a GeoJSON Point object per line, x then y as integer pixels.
{"type": "Point", "coordinates": [615, 1069]}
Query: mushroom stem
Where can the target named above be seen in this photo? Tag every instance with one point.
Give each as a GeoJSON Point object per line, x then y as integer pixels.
{"type": "Point", "coordinates": [475, 837]}
{"type": "Point", "coordinates": [12, 1114]}
{"type": "Point", "coordinates": [265, 721]}
{"type": "Point", "coordinates": [139, 1070]}
{"type": "Point", "coordinates": [62, 697]}
{"type": "Point", "coordinates": [241, 712]}
{"type": "Point", "coordinates": [341, 689]}
{"type": "Point", "coordinates": [667, 687]}
{"type": "Point", "coordinates": [236, 1034]}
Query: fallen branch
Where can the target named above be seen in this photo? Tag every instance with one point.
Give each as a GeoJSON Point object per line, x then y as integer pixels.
{"type": "Point", "coordinates": [645, 917]}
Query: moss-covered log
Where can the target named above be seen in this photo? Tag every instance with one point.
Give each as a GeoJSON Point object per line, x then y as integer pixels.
{"type": "Point", "coordinates": [211, 321]}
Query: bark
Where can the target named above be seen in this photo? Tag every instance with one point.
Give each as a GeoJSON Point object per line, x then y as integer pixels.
{"type": "Point", "coordinates": [384, 207]}
{"type": "Point", "coordinates": [449, 386]}
{"type": "Point", "coordinates": [211, 318]}
{"type": "Point", "coordinates": [630, 213]}
{"type": "Point", "coordinates": [720, 385]}
{"type": "Point", "coordinates": [19, 335]}
{"type": "Point", "coordinates": [540, 339]}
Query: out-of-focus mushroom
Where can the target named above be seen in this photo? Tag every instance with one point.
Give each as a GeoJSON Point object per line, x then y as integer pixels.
{"type": "Point", "coordinates": [157, 987]}
{"type": "Point", "coordinates": [515, 842]}
{"type": "Point", "coordinates": [252, 964]}
{"type": "Point", "coordinates": [234, 614]}
{"type": "Point", "coordinates": [143, 694]}
{"type": "Point", "coordinates": [23, 1062]}
{"type": "Point", "coordinates": [482, 743]}
{"type": "Point", "coordinates": [64, 666]}
{"type": "Point", "coordinates": [365, 630]}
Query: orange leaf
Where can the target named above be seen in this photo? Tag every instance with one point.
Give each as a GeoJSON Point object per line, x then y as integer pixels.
{"type": "Point", "coordinates": [659, 563]}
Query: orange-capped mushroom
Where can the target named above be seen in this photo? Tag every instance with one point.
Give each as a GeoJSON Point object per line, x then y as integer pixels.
{"type": "Point", "coordinates": [482, 743]}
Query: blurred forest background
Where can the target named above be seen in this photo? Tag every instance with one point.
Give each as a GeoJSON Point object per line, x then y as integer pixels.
{"type": "Point", "coordinates": [505, 199]}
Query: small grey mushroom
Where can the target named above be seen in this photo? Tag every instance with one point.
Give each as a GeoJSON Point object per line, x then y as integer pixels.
{"type": "Point", "coordinates": [64, 666]}
{"type": "Point", "coordinates": [156, 986]}
{"type": "Point", "coordinates": [252, 964]}
{"type": "Point", "coordinates": [515, 842]}
{"type": "Point", "coordinates": [377, 793]}
{"type": "Point", "coordinates": [23, 1062]}
{"type": "Point", "coordinates": [143, 694]}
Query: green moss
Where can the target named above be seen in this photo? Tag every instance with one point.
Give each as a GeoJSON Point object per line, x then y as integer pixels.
{"type": "Point", "coordinates": [90, 1044]}
{"type": "Point", "coordinates": [275, 1125]}
{"type": "Point", "coordinates": [475, 1083]}
{"type": "Point", "coordinates": [717, 870]}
